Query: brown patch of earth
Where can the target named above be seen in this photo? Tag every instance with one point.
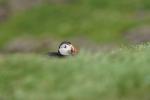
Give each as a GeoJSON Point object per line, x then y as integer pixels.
{"type": "Point", "coordinates": [27, 44]}
{"type": "Point", "coordinates": [89, 45]}
{"type": "Point", "coordinates": [30, 44]}
{"type": "Point", "coordinates": [138, 35]}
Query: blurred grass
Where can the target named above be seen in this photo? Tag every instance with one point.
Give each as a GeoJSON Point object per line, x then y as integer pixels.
{"type": "Point", "coordinates": [98, 20]}
{"type": "Point", "coordinates": [122, 74]}
{"type": "Point", "coordinates": [2, 2]}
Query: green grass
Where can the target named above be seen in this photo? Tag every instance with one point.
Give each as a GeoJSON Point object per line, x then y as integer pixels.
{"type": "Point", "coordinates": [98, 20]}
{"type": "Point", "coordinates": [123, 74]}
{"type": "Point", "coordinates": [3, 2]}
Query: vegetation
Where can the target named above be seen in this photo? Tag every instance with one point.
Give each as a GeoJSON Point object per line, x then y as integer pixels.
{"type": "Point", "coordinates": [3, 2]}
{"type": "Point", "coordinates": [98, 20]}
{"type": "Point", "coordinates": [122, 74]}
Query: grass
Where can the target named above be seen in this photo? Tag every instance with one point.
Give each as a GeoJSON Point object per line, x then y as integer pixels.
{"type": "Point", "coordinates": [122, 74]}
{"type": "Point", "coordinates": [3, 2]}
{"type": "Point", "coordinates": [98, 20]}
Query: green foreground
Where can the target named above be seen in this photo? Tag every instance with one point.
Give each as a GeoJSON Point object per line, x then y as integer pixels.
{"type": "Point", "coordinates": [123, 74]}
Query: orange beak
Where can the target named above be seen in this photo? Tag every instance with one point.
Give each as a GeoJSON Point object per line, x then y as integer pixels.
{"type": "Point", "coordinates": [74, 50]}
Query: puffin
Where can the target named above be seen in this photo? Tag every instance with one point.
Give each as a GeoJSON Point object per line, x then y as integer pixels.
{"type": "Point", "coordinates": [65, 49]}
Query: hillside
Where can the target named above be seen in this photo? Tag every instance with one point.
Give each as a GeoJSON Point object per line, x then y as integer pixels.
{"type": "Point", "coordinates": [122, 74]}
{"type": "Point", "coordinates": [97, 20]}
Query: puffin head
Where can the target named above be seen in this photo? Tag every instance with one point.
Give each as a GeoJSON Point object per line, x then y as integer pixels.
{"type": "Point", "coordinates": [66, 49]}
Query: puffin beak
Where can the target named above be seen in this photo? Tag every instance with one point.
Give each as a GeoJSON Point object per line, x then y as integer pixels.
{"type": "Point", "coordinates": [73, 50]}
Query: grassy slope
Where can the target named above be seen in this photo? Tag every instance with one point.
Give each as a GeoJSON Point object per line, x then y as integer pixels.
{"type": "Point", "coordinates": [100, 20]}
{"type": "Point", "coordinates": [118, 75]}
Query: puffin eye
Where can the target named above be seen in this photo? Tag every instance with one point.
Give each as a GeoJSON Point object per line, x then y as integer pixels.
{"type": "Point", "coordinates": [65, 46]}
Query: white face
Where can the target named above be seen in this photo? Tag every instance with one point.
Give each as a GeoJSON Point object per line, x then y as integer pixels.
{"type": "Point", "coordinates": [65, 49]}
